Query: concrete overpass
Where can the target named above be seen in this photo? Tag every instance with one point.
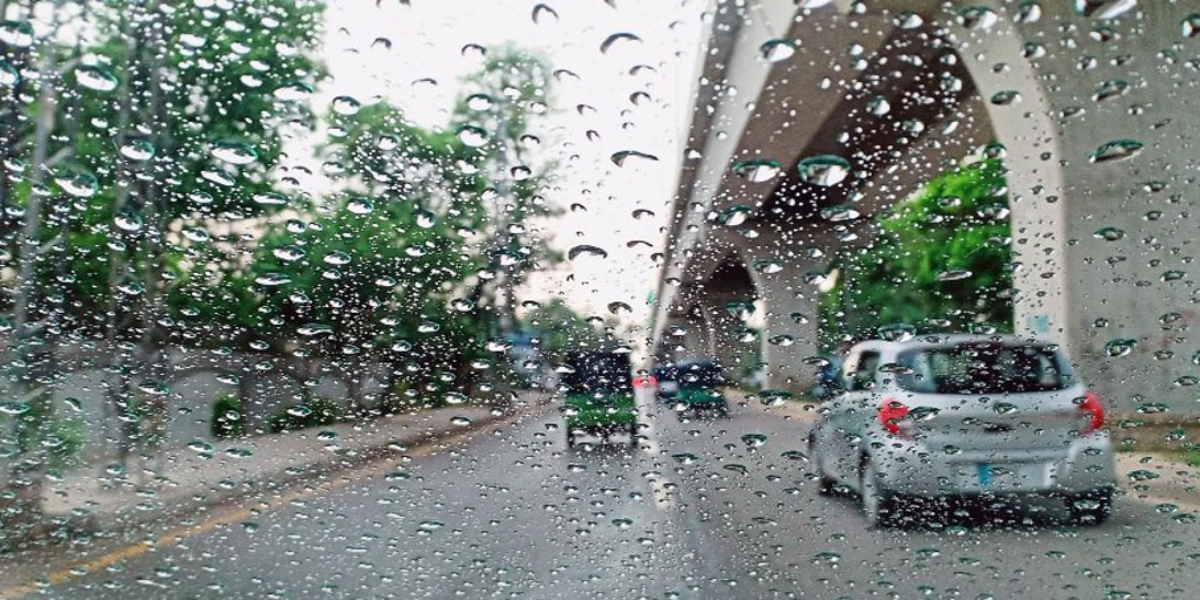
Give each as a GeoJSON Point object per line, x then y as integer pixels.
{"type": "Point", "coordinates": [901, 91]}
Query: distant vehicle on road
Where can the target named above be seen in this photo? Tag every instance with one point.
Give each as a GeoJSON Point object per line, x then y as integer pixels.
{"type": "Point", "coordinates": [829, 381]}
{"type": "Point", "coordinates": [963, 415]}
{"type": "Point", "coordinates": [699, 389]}
{"type": "Point", "coordinates": [598, 396]}
{"type": "Point", "coordinates": [667, 377]}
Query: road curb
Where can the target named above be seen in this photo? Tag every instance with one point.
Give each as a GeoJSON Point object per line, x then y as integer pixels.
{"type": "Point", "coordinates": [60, 528]}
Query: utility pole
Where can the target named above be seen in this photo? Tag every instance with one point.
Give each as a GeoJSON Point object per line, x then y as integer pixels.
{"type": "Point", "coordinates": [508, 314]}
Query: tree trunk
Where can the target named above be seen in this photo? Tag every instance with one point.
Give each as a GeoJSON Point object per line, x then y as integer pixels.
{"type": "Point", "coordinates": [29, 472]}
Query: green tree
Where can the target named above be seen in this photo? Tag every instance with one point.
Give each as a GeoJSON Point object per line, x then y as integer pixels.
{"type": "Point", "coordinates": [561, 330]}
{"type": "Point", "coordinates": [942, 262]}
{"type": "Point", "coordinates": [496, 115]}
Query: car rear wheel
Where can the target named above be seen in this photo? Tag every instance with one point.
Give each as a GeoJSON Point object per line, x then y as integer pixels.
{"type": "Point", "coordinates": [1091, 508]}
{"type": "Point", "coordinates": [826, 485]}
{"type": "Point", "coordinates": [879, 505]}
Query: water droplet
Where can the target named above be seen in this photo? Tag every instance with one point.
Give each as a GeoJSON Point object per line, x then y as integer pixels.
{"type": "Point", "coordinates": [15, 408]}
{"type": "Point", "coordinates": [295, 91]}
{"type": "Point", "coordinates": [619, 158]}
{"type": "Point", "coordinates": [782, 340]}
{"type": "Point", "coordinates": [360, 206]}
{"type": "Point", "coordinates": [272, 279]}
{"type": "Point", "coordinates": [76, 182]}
{"type": "Point", "coordinates": [425, 219]}
{"type": "Point", "coordinates": [270, 198]}
{"type": "Point", "coordinates": [839, 213]}
{"type": "Point", "coordinates": [460, 421]}
{"type": "Point", "coordinates": [288, 253]}
{"type": "Point", "coordinates": [879, 106]}
{"type": "Point", "coordinates": [1028, 12]}
{"type": "Point", "coordinates": [1111, 234]}
{"type": "Point", "coordinates": [462, 305]}
{"type": "Point", "coordinates": [479, 102]}
{"type": "Point", "coordinates": [1006, 97]}
{"type": "Point", "coordinates": [1142, 475]}
{"type": "Point", "coordinates": [777, 50]}
{"type": "Point", "coordinates": [757, 170]}
{"type": "Point", "coordinates": [196, 234]}
{"type": "Point", "coordinates": [1110, 89]}
{"type": "Point", "coordinates": [9, 75]}
{"type": "Point", "coordinates": [824, 170]}
{"type": "Point", "coordinates": [908, 20]}
{"type": "Point", "coordinates": [619, 308]}
{"type": "Point", "coordinates": [544, 14]}
{"type": "Point", "coordinates": [897, 332]}
{"type": "Point", "coordinates": [1116, 150]}
{"type": "Point", "coordinates": [826, 558]}
{"type": "Point", "coordinates": [137, 150]}
{"type": "Point", "coordinates": [1119, 347]}
{"type": "Point", "coordinates": [624, 38]}
{"type": "Point", "coordinates": [735, 215]}
{"type": "Point", "coordinates": [337, 258]}
{"type": "Point", "coordinates": [346, 105]}
{"type": "Point", "coordinates": [737, 468]}
{"type": "Point", "coordinates": [979, 18]}
{"type": "Point", "coordinates": [686, 458]}
{"type": "Point", "coordinates": [1103, 9]}
{"type": "Point", "coordinates": [586, 249]}
{"type": "Point", "coordinates": [1191, 25]}
{"type": "Point", "coordinates": [233, 152]}
{"type": "Point", "coordinates": [768, 267]}
{"type": "Point", "coordinates": [472, 136]}
{"type": "Point", "coordinates": [954, 275]}
{"type": "Point", "coordinates": [16, 33]}
{"type": "Point", "coordinates": [754, 439]}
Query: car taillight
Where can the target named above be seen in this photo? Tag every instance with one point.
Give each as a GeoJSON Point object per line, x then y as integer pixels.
{"type": "Point", "coordinates": [1090, 406]}
{"type": "Point", "coordinates": [890, 414]}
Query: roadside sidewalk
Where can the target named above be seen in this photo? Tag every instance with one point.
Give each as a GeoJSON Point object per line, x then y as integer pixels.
{"type": "Point", "coordinates": [1159, 477]}
{"type": "Point", "coordinates": [101, 503]}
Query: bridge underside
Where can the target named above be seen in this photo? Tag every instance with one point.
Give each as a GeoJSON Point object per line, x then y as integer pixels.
{"type": "Point", "coordinates": [901, 99]}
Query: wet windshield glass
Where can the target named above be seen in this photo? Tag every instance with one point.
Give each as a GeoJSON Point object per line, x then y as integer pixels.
{"type": "Point", "coordinates": [599, 299]}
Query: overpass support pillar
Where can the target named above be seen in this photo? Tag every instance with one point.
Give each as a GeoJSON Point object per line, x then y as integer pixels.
{"type": "Point", "coordinates": [723, 328]}
{"type": "Point", "coordinates": [789, 332]}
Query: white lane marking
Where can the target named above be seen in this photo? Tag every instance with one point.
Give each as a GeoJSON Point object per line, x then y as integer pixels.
{"type": "Point", "coordinates": [661, 486]}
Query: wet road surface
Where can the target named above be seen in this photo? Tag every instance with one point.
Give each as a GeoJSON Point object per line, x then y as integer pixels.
{"type": "Point", "coordinates": [701, 509]}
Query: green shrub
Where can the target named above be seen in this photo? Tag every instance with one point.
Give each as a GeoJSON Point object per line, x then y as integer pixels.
{"type": "Point", "coordinates": [40, 427]}
{"type": "Point", "coordinates": [313, 412]}
{"type": "Point", "coordinates": [227, 422]}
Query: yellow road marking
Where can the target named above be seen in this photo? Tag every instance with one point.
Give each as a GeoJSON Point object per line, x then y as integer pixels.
{"type": "Point", "coordinates": [174, 536]}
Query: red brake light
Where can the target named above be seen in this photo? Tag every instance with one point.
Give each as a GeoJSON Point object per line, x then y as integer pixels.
{"type": "Point", "coordinates": [1091, 407]}
{"type": "Point", "coordinates": [890, 413]}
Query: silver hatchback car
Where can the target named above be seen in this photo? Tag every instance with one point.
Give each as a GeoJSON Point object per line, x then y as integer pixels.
{"type": "Point", "coordinates": [963, 415]}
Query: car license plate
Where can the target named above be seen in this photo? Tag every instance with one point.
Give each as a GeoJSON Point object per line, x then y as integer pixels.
{"type": "Point", "coordinates": [985, 474]}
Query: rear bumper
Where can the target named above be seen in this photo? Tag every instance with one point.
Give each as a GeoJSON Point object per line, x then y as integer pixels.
{"type": "Point", "coordinates": [1087, 464]}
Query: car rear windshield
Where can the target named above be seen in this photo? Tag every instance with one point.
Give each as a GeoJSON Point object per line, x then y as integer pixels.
{"type": "Point", "coordinates": [598, 372]}
{"type": "Point", "coordinates": [700, 375]}
{"type": "Point", "coordinates": [984, 369]}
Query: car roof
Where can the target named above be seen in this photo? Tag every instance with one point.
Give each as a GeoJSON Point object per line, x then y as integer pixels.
{"type": "Point", "coordinates": [939, 340]}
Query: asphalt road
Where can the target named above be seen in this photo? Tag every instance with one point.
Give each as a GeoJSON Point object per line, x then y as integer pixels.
{"type": "Point", "coordinates": [701, 510]}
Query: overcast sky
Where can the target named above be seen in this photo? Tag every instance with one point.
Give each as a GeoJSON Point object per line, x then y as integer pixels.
{"type": "Point", "coordinates": [427, 37]}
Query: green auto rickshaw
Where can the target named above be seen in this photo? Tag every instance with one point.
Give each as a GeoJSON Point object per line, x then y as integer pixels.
{"type": "Point", "coordinates": [598, 396]}
{"type": "Point", "coordinates": [699, 389]}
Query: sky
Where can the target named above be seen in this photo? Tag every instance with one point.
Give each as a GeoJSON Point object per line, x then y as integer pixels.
{"type": "Point", "coordinates": [427, 38]}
